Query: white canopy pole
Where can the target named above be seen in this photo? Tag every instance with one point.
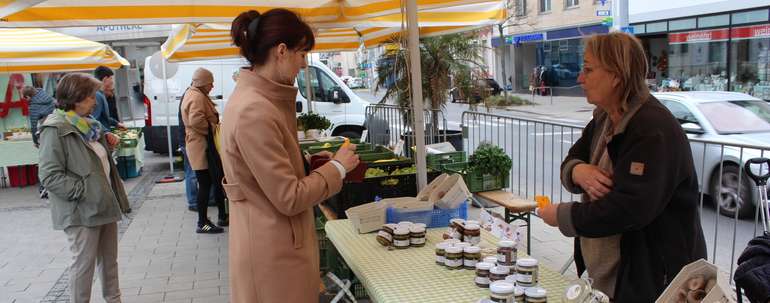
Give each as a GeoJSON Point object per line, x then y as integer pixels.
{"type": "Point", "coordinates": [308, 86]}
{"type": "Point", "coordinates": [168, 117]}
{"type": "Point", "coordinates": [413, 31]}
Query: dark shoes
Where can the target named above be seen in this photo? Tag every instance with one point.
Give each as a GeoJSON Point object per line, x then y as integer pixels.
{"type": "Point", "coordinates": [209, 228]}
{"type": "Point", "coordinates": [224, 222]}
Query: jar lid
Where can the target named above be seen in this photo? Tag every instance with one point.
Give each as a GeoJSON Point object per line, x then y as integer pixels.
{"type": "Point", "coordinates": [391, 225]}
{"type": "Point", "coordinates": [535, 292]}
{"type": "Point", "coordinates": [506, 243]}
{"type": "Point", "coordinates": [500, 270]}
{"type": "Point", "coordinates": [526, 262]}
{"type": "Point", "coordinates": [443, 245]}
{"type": "Point", "coordinates": [401, 231]}
{"type": "Point", "coordinates": [457, 220]}
{"type": "Point", "coordinates": [511, 279]}
{"type": "Point", "coordinates": [491, 259]}
{"type": "Point", "coordinates": [420, 224]}
{"type": "Point", "coordinates": [501, 287]}
{"type": "Point", "coordinates": [484, 266]}
{"type": "Point", "coordinates": [519, 291]}
{"type": "Point", "coordinates": [462, 245]}
{"type": "Point", "coordinates": [454, 250]}
{"type": "Point", "coordinates": [417, 229]}
{"type": "Point", "coordinates": [452, 241]}
{"type": "Point", "coordinates": [469, 226]}
{"type": "Point", "coordinates": [472, 249]}
{"type": "Point", "coordinates": [467, 222]}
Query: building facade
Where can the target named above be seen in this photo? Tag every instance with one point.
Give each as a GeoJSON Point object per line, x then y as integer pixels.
{"type": "Point", "coordinates": [541, 42]}
{"type": "Point", "coordinates": [707, 45]}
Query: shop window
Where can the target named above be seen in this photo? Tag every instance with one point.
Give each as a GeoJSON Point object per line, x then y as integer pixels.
{"type": "Point", "coordinates": [639, 29]}
{"type": "Point", "coordinates": [697, 66]}
{"type": "Point", "coordinates": [759, 15]}
{"type": "Point", "coordinates": [657, 27]}
{"type": "Point", "coordinates": [545, 6]}
{"type": "Point", "coordinates": [714, 21]}
{"type": "Point", "coordinates": [750, 68]}
{"type": "Point", "coordinates": [677, 25]}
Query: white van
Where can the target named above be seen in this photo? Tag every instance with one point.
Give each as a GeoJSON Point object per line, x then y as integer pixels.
{"type": "Point", "coordinates": [331, 98]}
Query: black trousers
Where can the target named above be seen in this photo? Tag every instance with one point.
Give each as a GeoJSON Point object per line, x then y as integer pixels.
{"type": "Point", "coordinates": [204, 186]}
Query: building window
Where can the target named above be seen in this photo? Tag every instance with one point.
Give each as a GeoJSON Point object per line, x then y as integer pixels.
{"type": "Point", "coordinates": [698, 60]}
{"type": "Point", "coordinates": [520, 7]}
{"type": "Point", "coordinates": [545, 6]}
{"type": "Point", "coordinates": [750, 54]}
{"type": "Point", "coordinates": [677, 25]}
{"type": "Point", "coordinates": [750, 16]}
{"type": "Point", "coordinates": [714, 21]}
{"type": "Point", "coordinates": [657, 27]}
{"type": "Point", "coordinates": [570, 3]}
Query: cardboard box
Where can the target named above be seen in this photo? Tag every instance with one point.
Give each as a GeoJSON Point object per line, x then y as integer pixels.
{"type": "Point", "coordinates": [721, 293]}
{"type": "Point", "coordinates": [367, 217]}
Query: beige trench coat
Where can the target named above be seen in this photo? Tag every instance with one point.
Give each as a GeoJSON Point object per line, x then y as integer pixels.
{"type": "Point", "coordinates": [198, 113]}
{"type": "Point", "coordinates": [273, 245]}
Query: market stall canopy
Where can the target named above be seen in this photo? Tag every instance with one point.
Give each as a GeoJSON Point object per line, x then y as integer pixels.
{"type": "Point", "coordinates": [65, 13]}
{"type": "Point", "coordinates": [212, 40]}
{"type": "Point", "coordinates": [39, 50]}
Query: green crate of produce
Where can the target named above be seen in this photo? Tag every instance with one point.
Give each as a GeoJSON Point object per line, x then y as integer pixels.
{"type": "Point", "coordinates": [308, 144]}
{"type": "Point", "coordinates": [378, 153]}
{"type": "Point", "coordinates": [437, 161]}
{"type": "Point", "coordinates": [478, 181]}
{"type": "Point", "coordinates": [334, 147]}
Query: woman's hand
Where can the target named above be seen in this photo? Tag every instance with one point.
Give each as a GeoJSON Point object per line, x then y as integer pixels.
{"type": "Point", "coordinates": [112, 140]}
{"type": "Point", "coordinates": [549, 214]}
{"type": "Point", "coordinates": [593, 180]}
{"type": "Point", "coordinates": [347, 157]}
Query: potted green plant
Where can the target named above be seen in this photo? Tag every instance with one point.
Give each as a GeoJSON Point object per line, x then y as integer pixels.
{"type": "Point", "coordinates": [312, 124]}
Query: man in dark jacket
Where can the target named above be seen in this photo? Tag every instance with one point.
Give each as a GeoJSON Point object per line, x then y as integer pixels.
{"type": "Point", "coordinates": [106, 109]}
{"type": "Point", "coordinates": [40, 106]}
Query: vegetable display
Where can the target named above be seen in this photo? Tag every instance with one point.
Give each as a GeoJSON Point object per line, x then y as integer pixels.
{"type": "Point", "coordinates": [491, 159]}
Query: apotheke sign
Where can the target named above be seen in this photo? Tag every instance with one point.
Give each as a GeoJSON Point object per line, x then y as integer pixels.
{"type": "Point", "coordinates": [699, 36]}
{"type": "Point", "coordinates": [117, 32]}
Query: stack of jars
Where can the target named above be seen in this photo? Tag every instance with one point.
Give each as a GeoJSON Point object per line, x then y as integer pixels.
{"type": "Point", "coordinates": [510, 279]}
{"type": "Point", "coordinates": [454, 254]}
{"type": "Point", "coordinates": [465, 231]}
{"type": "Point", "coordinates": [402, 235]}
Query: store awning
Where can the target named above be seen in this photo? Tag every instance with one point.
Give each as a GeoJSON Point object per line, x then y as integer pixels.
{"type": "Point", "coordinates": [212, 40]}
{"type": "Point", "coordinates": [64, 13]}
{"type": "Point", "coordinates": [39, 50]}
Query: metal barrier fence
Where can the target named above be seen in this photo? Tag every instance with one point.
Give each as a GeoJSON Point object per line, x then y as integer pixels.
{"type": "Point", "coordinates": [387, 124]}
{"type": "Point", "coordinates": [538, 147]}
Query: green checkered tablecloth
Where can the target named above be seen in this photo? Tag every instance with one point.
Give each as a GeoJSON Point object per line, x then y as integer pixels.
{"type": "Point", "coordinates": [15, 153]}
{"type": "Point", "coordinates": [412, 275]}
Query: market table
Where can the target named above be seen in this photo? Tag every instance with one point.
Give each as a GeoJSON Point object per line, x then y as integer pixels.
{"type": "Point", "coordinates": [412, 275]}
{"type": "Point", "coordinates": [15, 153]}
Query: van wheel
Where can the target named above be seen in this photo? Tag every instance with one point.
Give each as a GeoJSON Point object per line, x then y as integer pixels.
{"type": "Point", "coordinates": [350, 134]}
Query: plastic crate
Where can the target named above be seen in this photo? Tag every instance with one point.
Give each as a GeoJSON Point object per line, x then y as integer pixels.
{"type": "Point", "coordinates": [378, 153]}
{"type": "Point", "coordinates": [437, 161]}
{"type": "Point", "coordinates": [436, 217]}
{"type": "Point", "coordinates": [335, 146]}
{"type": "Point", "coordinates": [478, 181]}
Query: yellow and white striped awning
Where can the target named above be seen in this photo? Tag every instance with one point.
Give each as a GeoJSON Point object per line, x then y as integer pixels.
{"type": "Point", "coordinates": [65, 13]}
{"type": "Point", "coordinates": [212, 41]}
{"type": "Point", "coordinates": [39, 50]}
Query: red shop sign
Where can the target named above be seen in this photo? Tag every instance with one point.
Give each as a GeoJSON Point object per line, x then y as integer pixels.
{"type": "Point", "coordinates": [699, 36]}
{"type": "Point", "coordinates": [751, 32]}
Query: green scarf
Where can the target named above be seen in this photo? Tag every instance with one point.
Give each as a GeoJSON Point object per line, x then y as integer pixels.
{"type": "Point", "coordinates": [90, 129]}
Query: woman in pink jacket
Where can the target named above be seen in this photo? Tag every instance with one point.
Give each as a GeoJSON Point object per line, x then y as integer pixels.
{"type": "Point", "coordinates": [273, 246]}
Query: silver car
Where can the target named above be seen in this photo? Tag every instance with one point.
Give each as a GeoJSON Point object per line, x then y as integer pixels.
{"type": "Point", "coordinates": [718, 125]}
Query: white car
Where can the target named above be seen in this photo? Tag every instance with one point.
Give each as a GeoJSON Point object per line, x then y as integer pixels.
{"type": "Point", "coordinates": [331, 98]}
{"type": "Point", "coordinates": [735, 119]}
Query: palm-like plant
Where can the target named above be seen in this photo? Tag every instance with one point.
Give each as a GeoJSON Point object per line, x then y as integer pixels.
{"type": "Point", "coordinates": [442, 58]}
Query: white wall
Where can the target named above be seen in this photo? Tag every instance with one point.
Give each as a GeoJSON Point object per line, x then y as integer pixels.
{"type": "Point", "coordinates": [648, 10]}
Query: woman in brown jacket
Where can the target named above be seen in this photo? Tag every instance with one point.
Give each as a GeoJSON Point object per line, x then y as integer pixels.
{"type": "Point", "coordinates": [200, 117]}
{"type": "Point", "coordinates": [273, 246]}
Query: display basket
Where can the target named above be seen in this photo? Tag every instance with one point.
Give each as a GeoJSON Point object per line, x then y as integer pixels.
{"type": "Point", "coordinates": [436, 217]}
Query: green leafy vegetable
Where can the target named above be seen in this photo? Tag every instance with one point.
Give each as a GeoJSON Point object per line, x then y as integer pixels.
{"type": "Point", "coordinates": [491, 159]}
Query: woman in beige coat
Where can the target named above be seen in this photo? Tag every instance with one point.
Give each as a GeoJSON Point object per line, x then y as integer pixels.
{"type": "Point", "coordinates": [273, 246]}
{"type": "Point", "coordinates": [199, 117]}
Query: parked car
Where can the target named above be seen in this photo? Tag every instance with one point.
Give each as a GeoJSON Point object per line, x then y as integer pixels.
{"type": "Point", "coordinates": [732, 118]}
{"type": "Point", "coordinates": [356, 82]}
{"type": "Point", "coordinates": [488, 85]}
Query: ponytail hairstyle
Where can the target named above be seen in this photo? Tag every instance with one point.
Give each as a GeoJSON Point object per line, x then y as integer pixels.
{"type": "Point", "coordinates": [256, 34]}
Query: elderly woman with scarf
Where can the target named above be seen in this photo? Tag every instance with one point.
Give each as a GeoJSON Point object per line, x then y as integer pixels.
{"type": "Point", "coordinates": [86, 193]}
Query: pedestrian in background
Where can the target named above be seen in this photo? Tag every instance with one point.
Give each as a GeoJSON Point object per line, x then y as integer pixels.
{"type": "Point", "coordinates": [86, 193]}
{"type": "Point", "coordinates": [638, 222]}
{"type": "Point", "coordinates": [273, 245]}
{"type": "Point", "coordinates": [106, 109]}
{"type": "Point", "coordinates": [200, 118]}
{"type": "Point", "coordinates": [40, 106]}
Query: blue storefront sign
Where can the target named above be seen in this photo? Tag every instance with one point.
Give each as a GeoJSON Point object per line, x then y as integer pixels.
{"type": "Point", "coordinates": [519, 39]}
{"type": "Point", "coordinates": [576, 32]}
